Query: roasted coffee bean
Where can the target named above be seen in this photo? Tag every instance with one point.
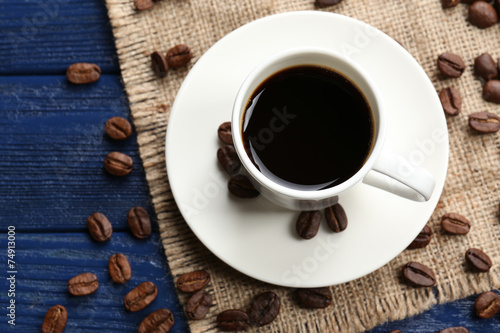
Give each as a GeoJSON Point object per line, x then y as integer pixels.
{"type": "Point", "coordinates": [160, 321]}
{"type": "Point", "coordinates": [198, 305]}
{"type": "Point", "coordinates": [327, 3]}
{"type": "Point", "coordinates": [83, 73]}
{"type": "Point", "coordinates": [458, 329]}
{"type": "Point", "coordinates": [479, 260]}
{"type": "Point", "coordinates": [451, 101]}
{"type": "Point", "coordinates": [450, 64]}
{"type": "Point", "coordinates": [491, 91]}
{"type": "Point", "coordinates": [314, 298]}
{"type": "Point", "coordinates": [193, 281]}
{"type": "Point", "coordinates": [264, 308]}
{"type": "Point", "coordinates": [228, 159]}
{"type": "Point", "coordinates": [233, 320]}
{"type": "Point", "coordinates": [419, 275]}
{"type": "Point", "coordinates": [118, 128]}
{"type": "Point", "coordinates": [423, 238]}
{"type": "Point", "coordinates": [308, 223]}
{"type": "Point", "coordinates": [336, 218]}
{"type": "Point", "coordinates": [55, 319]}
{"type": "Point", "coordinates": [139, 222]}
{"type": "Point", "coordinates": [119, 268]}
{"type": "Point", "coordinates": [143, 4]}
{"type": "Point", "coordinates": [99, 227]}
{"type": "Point", "coordinates": [482, 14]}
{"type": "Point", "coordinates": [225, 134]}
{"type": "Point", "coordinates": [179, 56]}
{"type": "Point", "coordinates": [396, 331]}
{"type": "Point", "coordinates": [484, 122]}
{"type": "Point", "coordinates": [485, 67]}
{"type": "Point", "coordinates": [141, 296]}
{"type": "Point", "coordinates": [159, 64]}
{"type": "Point", "coordinates": [449, 3]}
{"type": "Point", "coordinates": [118, 164]}
{"type": "Point", "coordinates": [487, 305]}
{"type": "Point", "coordinates": [83, 284]}
{"type": "Point", "coordinates": [455, 224]}
{"type": "Point", "coordinates": [240, 186]}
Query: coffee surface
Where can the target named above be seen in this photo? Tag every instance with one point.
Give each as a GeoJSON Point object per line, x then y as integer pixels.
{"type": "Point", "coordinates": [308, 128]}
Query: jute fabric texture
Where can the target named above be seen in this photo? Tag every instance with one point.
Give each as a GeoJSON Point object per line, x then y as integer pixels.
{"type": "Point", "coordinates": [472, 186]}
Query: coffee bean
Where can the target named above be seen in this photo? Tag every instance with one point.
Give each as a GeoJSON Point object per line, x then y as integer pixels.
{"type": "Point", "coordinates": [99, 227]}
{"type": "Point", "coordinates": [240, 186]}
{"type": "Point", "coordinates": [396, 331]}
{"type": "Point", "coordinates": [83, 73]}
{"type": "Point", "coordinates": [423, 238]}
{"type": "Point", "coordinates": [487, 305]}
{"type": "Point", "coordinates": [455, 224]}
{"type": "Point", "coordinates": [457, 329]}
{"type": "Point", "coordinates": [55, 319]}
{"type": "Point", "coordinates": [139, 222]}
{"type": "Point", "coordinates": [228, 159]}
{"type": "Point", "coordinates": [314, 298]}
{"type": "Point", "coordinates": [491, 91]}
{"type": "Point", "coordinates": [118, 128]}
{"type": "Point", "coordinates": [233, 320]}
{"type": "Point", "coordinates": [485, 67]}
{"type": "Point", "coordinates": [83, 284]}
{"type": "Point", "coordinates": [419, 275]}
{"type": "Point", "coordinates": [307, 224]}
{"type": "Point", "coordinates": [336, 218]}
{"type": "Point", "coordinates": [264, 308]}
{"type": "Point", "coordinates": [141, 296]}
{"type": "Point", "coordinates": [118, 164]}
{"type": "Point", "coordinates": [160, 321]}
{"type": "Point", "coordinates": [450, 64]}
{"type": "Point", "coordinates": [449, 3]}
{"type": "Point", "coordinates": [119, 268]}
{"type": "Point", "coordinates": [198, 305]}
{"type": "Point", "coordinates": [451, 101]}
{"type": "Point", "coordinates": [482, 14]}
{"type": "Point", "coordinates": [179, 56]}
{"type": "Point", "coordinates": [479, 260]}
{"type": "Point", "coordinates": [159, 64]}
{"type": "Point", "coordinates": [484, 122]}
{"type": "Point", "coordinates": [224, 133]}
{"type": "Point", "coordinates": [327, 3]}
{"type": "Point", "coordinates": [143, 4]}
{"type": "Point", "coordinates": [193, 281]}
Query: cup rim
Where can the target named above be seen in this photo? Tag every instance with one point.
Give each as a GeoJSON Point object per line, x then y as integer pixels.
{"type": "Point", "coordinates": [237, 117]}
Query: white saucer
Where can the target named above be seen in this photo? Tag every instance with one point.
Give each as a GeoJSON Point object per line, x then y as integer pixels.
{"type": "Point", "coordinates": [259, 238]}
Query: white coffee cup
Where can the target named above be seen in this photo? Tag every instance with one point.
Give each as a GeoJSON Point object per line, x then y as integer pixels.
{"type": "Point", "coordinates": [380, 160]}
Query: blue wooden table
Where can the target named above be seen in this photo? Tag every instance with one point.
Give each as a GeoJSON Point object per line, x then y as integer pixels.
{"type": "Point", "coordinates": [52, 147]}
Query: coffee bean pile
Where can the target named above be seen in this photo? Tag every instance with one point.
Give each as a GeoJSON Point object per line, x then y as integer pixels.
{"type": "Point", "coordinates": [177, 56]}
{"type": "Point", "coordinates": [481, 14]}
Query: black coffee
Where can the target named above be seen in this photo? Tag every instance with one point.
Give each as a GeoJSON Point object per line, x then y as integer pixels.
{"type": "Point", "coordinates": [308, 128]}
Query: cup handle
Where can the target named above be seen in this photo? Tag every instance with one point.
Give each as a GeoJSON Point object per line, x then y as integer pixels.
{"type": "Point", "coordinates": [400, 169]}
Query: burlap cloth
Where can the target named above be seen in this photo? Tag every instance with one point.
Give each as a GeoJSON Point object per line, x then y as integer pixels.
{"type": "Point", "coordinates": [472, 186]}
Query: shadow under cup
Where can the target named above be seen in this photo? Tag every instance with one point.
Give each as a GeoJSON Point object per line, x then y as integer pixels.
{"type": "Point", "coordinates": [300, 198]}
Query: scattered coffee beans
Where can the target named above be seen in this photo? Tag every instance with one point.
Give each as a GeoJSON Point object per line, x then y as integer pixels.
{"type": "Point", "coordinates": [491, 91]}
{"type": "Point", "coordinates": [479, 260]}
{"type": "Point", "coordinates": [487, 305]}
{"type": "Point", "coordinates": [482, 14]}
{"type": "Point", "coordinates": [83, 73]}
{"type": "Point", "coordinates": [159, 64]}
{"type": "Point", "coordinates": [141, 296]}
{"type": "Point", "coordinates": [118, 128]}
{"type": "Point", "coordinates": [233, 320]}
{"type": "Point", "coordinates": [83, 284]}
{"type": "Point", "coordinates": [455, 224]}
{"type": "Point", "coordinates": [484, 122]}
{"type": "Point", "coordinates": [264, 308]}
{"type": "Point", "coordinates": [451, 101]}
{"type": "Point", "coordinates": [139, 222]}
{"type": "Point", "coordinates": [423, 238]}
{"type": "Point", "coordinates": [327, 3]}
{"type": "Point", "coordinates": [119, 268]}
{"type": "Point", "coordinates": [193, 281]}
{"type": "Point", "coordinates": [457, 329]}
{"type": "Point", "coordinates": [118, 164]}
{"type": "Point", "coordinates": [485, 67]}
{"type": "Point", "coordinates": [99, 227]}
{"type": "Point", "coordinates": [336, 218]}
{"type": "Point", "coordinates": [419, 275]}
{"type": "Point", "coordinates": [179, 56]}
{"type": "Point", "coordinates": [449, 3]}
{"type": "Point", "coordinates": [143, 4]}
{"type": "Point", "coordinates": [308, 223]}
{"type": "Point", "coordinates": [228, 159]}
{"type": "Point", "coordinates": [450, 64]}
{"type": "Point", "coordinates": [160, 321]}
{"type": "Point", "coordinates": [55, 319]}
{"type": "Point", "coordinates": [224, 133]}
{"type": "Point", "coordinates": [240, 186]}
{"type": "Point", "coordinates": [314, 298]}
{"type": "Point", "coordinates": [198, 305]}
